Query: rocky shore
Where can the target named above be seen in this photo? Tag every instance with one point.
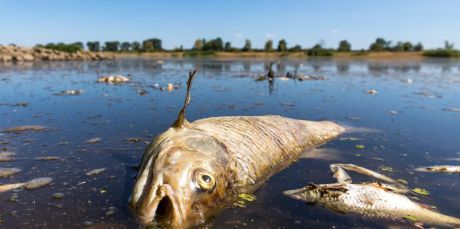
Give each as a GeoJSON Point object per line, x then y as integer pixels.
{"type": "Point", "coordinates": [19, 54]}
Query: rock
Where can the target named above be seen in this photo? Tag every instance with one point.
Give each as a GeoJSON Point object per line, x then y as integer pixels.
{"type": "Point", "coordinates": [28, 57]}
{"type": "Point", "coordinates": [10, 53]}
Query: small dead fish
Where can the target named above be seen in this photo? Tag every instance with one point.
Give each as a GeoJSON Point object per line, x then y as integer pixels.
{"type": "Point", "coordinates": [339, 174]}
{"type": "Point", "coordinates": [7, 172]}
{"type": "Point", "coordinates": [70, 92]}
{"type": "Point", "coordinates": [440, 168]}
{"type": "Point", "coordinates": [95, 172]}
{"type": "Point", "coordinates": [32, 184]}
{"type": "Point", "coordinates": [48, 158]}
{"type": "Point", "coordinates": [113, 79]}
{"type": "Point", "coordinates": [369, 201]}
{"type": "Point", "coordinates": [368, 172]}
{"type": "Point", "coordinates": [20, 129]}
{"type": "Point", "coordinates": [93, 140]}
{"type": "Point", "coordinates": [310, 77]}
{"type": "Point", "coordinates": [6, 156]}
{"type": "Point", "coordinates": [453, 159]}
{"type": "Point", "coordinates": [372, 92]}
{"type": "Point", "coordinates": [38, 183]}
{"type": "Point", "coordinates": [452, 109]}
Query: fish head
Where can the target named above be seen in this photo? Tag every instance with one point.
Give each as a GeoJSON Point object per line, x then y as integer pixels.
{"type": "Point", "coordinates": [183, 185]}
{"type": "Point", "coordinates": [310, 193]}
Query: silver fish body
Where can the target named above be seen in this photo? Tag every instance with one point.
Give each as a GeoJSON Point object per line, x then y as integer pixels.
{"type": "Point", "coordinates": [369, 201]}
{"type": "Point", "coordinates": [239, 153]}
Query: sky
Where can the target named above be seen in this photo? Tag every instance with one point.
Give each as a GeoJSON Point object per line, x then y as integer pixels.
{"type": "Point", "coordinates": [307, 22]}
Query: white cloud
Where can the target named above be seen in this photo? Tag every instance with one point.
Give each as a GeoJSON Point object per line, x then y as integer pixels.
{"type": "Point", "coordinates": [238, 35]}
{"type": "Point", "coordinates": [269, 35]}
{"type": "Point", "coordinates": [335, 31]}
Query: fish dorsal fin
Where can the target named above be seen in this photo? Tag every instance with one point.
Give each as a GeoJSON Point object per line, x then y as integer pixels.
{"type": "Point", "coordinates": [179, 123]}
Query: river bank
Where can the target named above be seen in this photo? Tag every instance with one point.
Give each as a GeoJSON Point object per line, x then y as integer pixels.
{"type": "Point", "coordinates": [269, 55]}
{"type": "Point", "coordinates": [13, 53]}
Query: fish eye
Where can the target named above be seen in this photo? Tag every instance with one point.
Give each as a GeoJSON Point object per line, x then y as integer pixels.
{"type": "Point", "coordinates": [205, 181]}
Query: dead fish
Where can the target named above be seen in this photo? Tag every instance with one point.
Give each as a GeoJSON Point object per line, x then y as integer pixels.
{"type": "Point", "coordinates": [193, 170]}
{"type": "Point", "coordinates": [6, 156]}
{"type": "Point", "coordinates": [440, 168]}
{"type": "Point", "coordinates": [32, 184]}
{"type": "Point", "coordinates": [452, 109]}
{"type": "Point", "coordinates": [113, 79]}
{"type": "Point", "coordinates": [7, 172]}
{"type": "Point", "coordinates": [48, 158]}
{"type": "Point", "coordinates": [95, 172]}
{"type": "Point", "coordinates": [93, 140]}
{"type": "Point", "coordinates": [20, 129]}
{"type": "Point", "coordinates": [70, 92]}
{"type": "Point", "coordinates": [310, 77]}
{"type": "Point", "coordinates": [372, 91]}
{"type": "Point", "coordinates": [362, 170]}
{"type": "Point", "coordinates": [38, 183]}
{"type": "Point", "coordinates": [369, 201]}
{"type": "Point", "coordinates": [453, 159]}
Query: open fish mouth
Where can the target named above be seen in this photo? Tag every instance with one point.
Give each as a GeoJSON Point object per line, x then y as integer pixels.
{"type": "Point", "coordinates": [163, 208]}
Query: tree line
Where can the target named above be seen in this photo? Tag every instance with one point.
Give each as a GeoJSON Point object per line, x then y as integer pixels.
{"type": "Point", "coordinates": [217, 44]}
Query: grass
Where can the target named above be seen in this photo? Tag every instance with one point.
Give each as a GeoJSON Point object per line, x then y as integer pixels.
{"type": "Point", "coordinates": [442, 53]}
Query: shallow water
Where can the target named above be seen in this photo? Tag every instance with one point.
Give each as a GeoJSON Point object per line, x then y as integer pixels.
{"type": "Point", "coordinates": [409, 121]}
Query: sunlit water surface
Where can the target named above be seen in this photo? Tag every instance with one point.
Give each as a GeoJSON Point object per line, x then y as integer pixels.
{"type": "Point", "coordinates": [410, 117]}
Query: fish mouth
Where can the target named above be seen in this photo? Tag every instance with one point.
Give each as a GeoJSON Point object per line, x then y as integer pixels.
{"type": "Point", "coordinates": [164, 208]}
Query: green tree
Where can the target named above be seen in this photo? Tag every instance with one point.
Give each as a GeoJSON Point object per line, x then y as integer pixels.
{"type": "Point", "coordinates": [448, 46]}
{"type": "Point", "coordinates": [268, 46]}
{"type": "Point", "coordinates": [125, 46]}
{"type": "Point", "coordinates": [344, 46]}
{"type": "Point", "coordinates": [247, 46]}
{"type": "Point", "coordinates": [282, 45]}
{"type": "Point", "coordinates": [111, 46]}
{"type": "Point", "coordinates": [198, 45]}
{"type": "Point", "coordinates": [151, 45]}
{"type": "Point", "coordinates": [93, 46]}
{"type": "Point", "coordinates": [64, 47]}
{"type": "Point", "coordinates": [318, 50]}
{"type": "Point", "coordinates": [78, 44]}
{"type": "Point", "coordinates": [136, 46]}
{"type": "Point", "coordinates": [214, 45]}
{"type": "Point", "coordinates": [296, 48]}
{"type": "Point", "coordinates": [380, 44]}
{"type": "Point", "coordinates": [418, 47]}
{"type": "Point", "coordinates": [398, 47]}
{"type": "Point", "coordinates": [228, 46]}
{"type": "Point", "coordinates": [407, 46]}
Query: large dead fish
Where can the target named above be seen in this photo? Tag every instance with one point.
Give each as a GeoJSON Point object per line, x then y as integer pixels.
{"type": "Point", "coordinates": [371, 200]}
{"type": "Point", "coordinates": [193, 170]}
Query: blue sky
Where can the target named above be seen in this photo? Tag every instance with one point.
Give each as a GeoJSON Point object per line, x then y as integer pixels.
{"type": "Point", "coordinates": [181, 22]}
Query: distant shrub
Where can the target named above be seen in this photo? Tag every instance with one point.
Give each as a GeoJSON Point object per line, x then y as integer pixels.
{"type": "Point", "coordinates": [442, 53]}
{"type": "Point", "coordinates": [197, 53]}
{"type": "Point", "coordinates": [318, 50]}
{"type": "Point", "coordinates": [72, 48]}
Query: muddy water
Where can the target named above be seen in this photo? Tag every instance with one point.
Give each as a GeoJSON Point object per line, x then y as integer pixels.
{"type": "Point", "coordinates": [412, 121]}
